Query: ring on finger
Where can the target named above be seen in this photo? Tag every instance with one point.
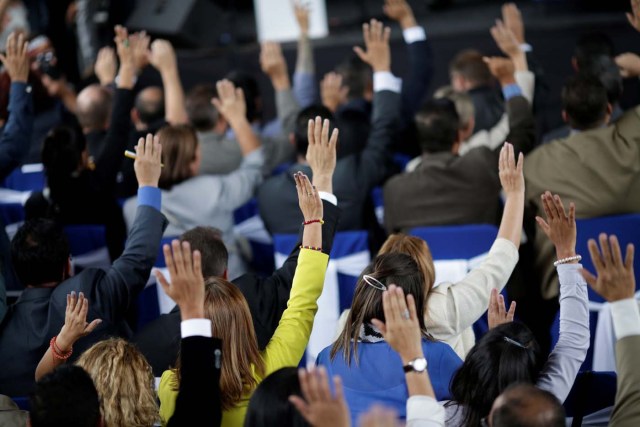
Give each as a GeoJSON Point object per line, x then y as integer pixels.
{"type": "Point", "coordinates": [406, 315]}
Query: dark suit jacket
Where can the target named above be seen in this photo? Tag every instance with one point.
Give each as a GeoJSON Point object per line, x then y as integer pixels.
{"type": "Point", "coordinates": [198, 402]}
{"type": "Point", "coordinates": [450, 189]}
{"type": "Point", "coordinates": [39, 313]}
{"type": "Point", "coordinates": [626, 411]}
{"type": "Point", "coordinates": [488, 105]}
{"type": "Point", "coordinates": [353, 179]}
{"type": "Point", "coordinates": [267, 299]}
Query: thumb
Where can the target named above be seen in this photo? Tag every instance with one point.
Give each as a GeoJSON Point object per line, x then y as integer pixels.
{"type": "Point", "coordinates": [590, 278]}
{"type": "Point", "coordinates": [91, 326]}
{"type": "Point", "coordinates": [380, 325]}
{"type": "Point", "coordinates": [163, 282]}
{"type": "Point", "coordinates": [301, 406]}
{"type": "Point", "coordinates": [361, 53]}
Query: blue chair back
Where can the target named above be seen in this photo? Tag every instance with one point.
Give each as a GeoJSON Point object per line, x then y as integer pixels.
{"type": "Point", "coordinates": [591, 392]}
{"type": "Point", "coordinates": [26, 178]}
{"type": "Point", "coordinates": [22, 402]}
{"type": "Point", "coordinates": [88, 246]}
{"type": "Point", "coordinates": [625, 227]}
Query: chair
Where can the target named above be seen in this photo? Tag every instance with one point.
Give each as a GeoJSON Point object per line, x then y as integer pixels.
{"type": "Point", "coordinates": [26, 178]}
{"type": "Point", "coordinates": [88, 246]}
{"type": "Point", "coordinates": [349, 256]}
{"type": "Point", "coordinates": [591, 392]}
{"type": "Point", "coordinates": [456, 249]}
{"type": "Point", "coordinates": [22, 402]}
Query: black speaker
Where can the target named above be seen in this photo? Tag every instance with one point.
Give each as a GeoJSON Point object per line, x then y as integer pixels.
{"type": "Point", "coordinates": [185, 23]}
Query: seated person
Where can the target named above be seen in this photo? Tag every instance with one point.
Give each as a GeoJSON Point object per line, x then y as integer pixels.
{"type": "Point", "coordinates": [245, 366]}
{"type": "Point", "coordinates": [40, 256]}
{"type": "Point", "coordinates": [191, 200]}
{"type": "Point", "coordinates": [525, 405]}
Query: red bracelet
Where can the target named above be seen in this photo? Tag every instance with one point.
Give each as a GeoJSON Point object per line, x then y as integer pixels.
{"type": "Point", "coordinates": [313, 248]}
{"type": "Point", "coordinates": [311, 221]}
{"type": "Point", "coordinates": [57, 354]}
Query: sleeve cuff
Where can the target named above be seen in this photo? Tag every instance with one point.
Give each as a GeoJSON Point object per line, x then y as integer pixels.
{"type": "Point", "coordinates": [195, 328]}
{"type": "Point", "coordinates": [328, 197]}
{"type": "Point", "coordinates": [511, 91]}
{"type": "Point", "coordinates": [414, 34]}
{"type": "Point", "coordinates": [150, 196]}
{"type": "Point", "coordinates": [425, 408]}
{"type": "Point", "coordinates": [626, 318]}
{"type": "Point", "coordinates": [385, 80]}
{"type": "Point", "coordinates": [526, 47]}
{"type": "Point", "coordinates": [20, 87]}
{"type": "Point", "coordinates": [569, 274]}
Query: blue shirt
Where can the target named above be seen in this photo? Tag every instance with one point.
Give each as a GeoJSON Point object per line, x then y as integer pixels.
{"type": "Point", "coordinates": [379, 377]}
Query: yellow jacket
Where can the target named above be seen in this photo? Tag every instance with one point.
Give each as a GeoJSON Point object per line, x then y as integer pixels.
{"type": "Point", "coordinates": [288, 343]}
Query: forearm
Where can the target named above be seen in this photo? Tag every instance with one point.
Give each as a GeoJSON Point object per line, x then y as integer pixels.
{"type": "Point", "coordinates": [175, 110]}
{"type": "Point", "coordinates": [15, 140]}
{"type": "Point", "coordinates": [304, 60]}
{"type": "Point", "coordinates": [47, 364]}
{"type": "Point", "coordinates": [247, 139]}
{"type": "Point", "coordinates": [520, 61]}
{"type": "Point", "coordinates": [287, 109]}
{"type": "Point", "coordinates": [511, 224]}
{"type": "Point", "coordinates": [312, 235]}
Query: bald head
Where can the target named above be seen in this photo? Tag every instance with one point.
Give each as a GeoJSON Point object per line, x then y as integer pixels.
{"type": "Point", "coordinates": [150, 105]}
{"type": "Point", "coordinates": [524, 405]}
{"type": "Point", "coordinates": [93, 108]}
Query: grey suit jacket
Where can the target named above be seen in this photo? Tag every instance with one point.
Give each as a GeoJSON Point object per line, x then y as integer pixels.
{"type": "Point", "coordinates": [598, 170]}
{"type": "Point", "coordinates": [354, 177]}
{"type": "Point", "coordinates": [626, 411]}
{"type": "Point", "coordinates": [39, 313]}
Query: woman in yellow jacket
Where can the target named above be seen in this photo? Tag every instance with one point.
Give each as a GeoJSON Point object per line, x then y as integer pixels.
{"type": "Point", "coordinates": [243, 365]}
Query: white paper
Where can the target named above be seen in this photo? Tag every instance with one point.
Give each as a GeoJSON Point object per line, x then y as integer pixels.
{"type": "Point", "coordinates": [275, 20]}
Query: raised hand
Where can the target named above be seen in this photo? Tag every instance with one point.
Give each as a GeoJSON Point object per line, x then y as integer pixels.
{"type": "Point", "coordinates": [302, 12]}
{"type": "Point", "coordinates": [379, 416]}
{"type": "Point", "coordinates": [629, 65]}
{"type": "Point", "coordinates": [106, 65]}
{"type": "Point", "coordinates": [332, 93]}
{"type": "Point", "coordinates": [502, 69]}
{"type": "Point", "coordinates": [308, 198]}
{"type": "Point", "coordinates": [274, 65]}
{"type": "Point", "coordinates": [376, 41]}
{"type": "Point", "coordinates": [140, 49]}
{"type": "Point", "coordinates": [187, 284]}
{"type": "Point", "coordinates": [148, 161]}
{"type": "Point", "coordinates": [16, 60]}
{"type": "Point", "coordinates": [75, 322]}
{"type": "Point", "coordinates": [559, 227]}
{"type": "Point", "coordinates": [498, 314]}
{"type": "Point", "coordinates": [319, 407]}
{"type": "Point", "coordinates": [634, 16]}
{"type": "Point", "coordinates": [127, 70]}
{"type": "Point", "coordinates": [162, 56]}
{"type": "Point", "coordinates": [511, 173]}
{"type": "Point", "coordinates": [321, 153]}
{"type": "Point", "coordinates": [505, 39]}
{"type": "Point", "coordinates": [230, 102]}
{"type": "Point", "coordinates": [512, 19]}
{"type": "Point", "coordinates": [401, 12]}
{"type": "Point", "coordinates": [615, 280]}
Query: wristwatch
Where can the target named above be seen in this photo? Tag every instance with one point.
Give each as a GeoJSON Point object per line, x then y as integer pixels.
{"type": "Point", "coordinates": [416, 365]}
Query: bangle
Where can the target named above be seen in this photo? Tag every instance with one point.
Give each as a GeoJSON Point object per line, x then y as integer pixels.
{"type": "Point", "coordinates": [57, 354]}
{"type": "Point", "coordinates": [567, 260]}
{"type": "Point", "coordinates": [311, 221]}
{"type": "Point", "coordinates": [313, 248]}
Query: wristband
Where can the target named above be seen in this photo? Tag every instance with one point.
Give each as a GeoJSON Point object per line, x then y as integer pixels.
{"type": "Point", "coordinates": [313, 248]}
{"type": "Point", "coordinates": [567, 260]}
{"type": "Point", "coordinates": [57, 354]}
{"type": "Point", "coordinates": [311, 221]}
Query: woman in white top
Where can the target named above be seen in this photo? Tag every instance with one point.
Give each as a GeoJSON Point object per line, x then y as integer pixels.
{"type": "Point", "coordinates": [189, 199]}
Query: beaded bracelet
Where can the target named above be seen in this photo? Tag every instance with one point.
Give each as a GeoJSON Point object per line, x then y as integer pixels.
{"type": "Point", "coordinates": [311, 221]}
{"type": "Point", "coordinates": [57, 354]}
{"type": "Point", "coordinates": [567, 260]}
{"type": "Point", "coordinates": [313, 248]}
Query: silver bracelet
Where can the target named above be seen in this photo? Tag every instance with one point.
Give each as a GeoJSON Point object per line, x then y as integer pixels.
{"type": "Point", "coordinates": [567, 260]}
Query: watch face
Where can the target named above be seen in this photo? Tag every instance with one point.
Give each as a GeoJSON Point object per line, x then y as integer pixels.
{"type": "Point", "coordinates": [419, 364]}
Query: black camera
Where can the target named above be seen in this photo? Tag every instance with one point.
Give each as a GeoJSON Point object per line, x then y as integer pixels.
{"type": "Point", "coordinates": [46, 64]}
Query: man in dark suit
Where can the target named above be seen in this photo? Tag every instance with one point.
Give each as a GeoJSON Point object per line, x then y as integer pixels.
{"type": "Point", "coordinates": [267, 297]}
{"type": "Point", "coordinates": [447, 188]}
{"type": "Point", "coordinates": [40, 255]}
{"type": "Point", "coordinates": [356, 174]}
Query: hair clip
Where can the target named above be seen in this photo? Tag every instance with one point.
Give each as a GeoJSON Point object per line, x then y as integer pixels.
{"type": "Point", "coordinates": [514, 342]}
{"type": "Point", "coordinates": [374, 283]}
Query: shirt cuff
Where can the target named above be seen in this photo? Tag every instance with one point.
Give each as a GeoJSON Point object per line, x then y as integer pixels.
{"type": "Point", "coordinates": [385, 80]}
{"type": "Point", "coordinates": [20, 87]}
{"type": "Point", "coordinates": [569, 274]}
{"type": "Point", "coordinates": [525, 47]}
{"type": "Point", "coordinates": [425, 408]}
{"type": "Point", "coordinates": [626, 318]}
{"type": "Point", "coordinates": [510, 91]}
{"type": "Point", "coordinates": [328, 197]}
{"type": "Point", "coordinates": [195, 328]}
{"type": "Point", "coordinates": [414, 34]}
{"type": "Point", "coordinates": [150, 196]}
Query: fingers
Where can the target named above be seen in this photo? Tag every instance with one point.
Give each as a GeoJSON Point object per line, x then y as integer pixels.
{"type": "Point", "coordinates": [157, 148]}
{"type": "Point", "coordinates": [411, 304]}
{"type": "Point", "coordinates": [178, 259]}
{"type": "Point", "coordinates": [502, 309]}
{"type": "Point", "coordinates": [311, 389]}
{"type": "Point", "coordinates": [606, 251]}
{"type": "Point", "coordinates": [197, 263]}
{"type": "Point", "coordinates": [168, 260]}
{"type": "Point", "coordinates": [186, 255]}
{"type": "Point", "coordinates": [92, 326]}
{"type": "Point", "coordinates": [311, 129]}
{"type": "Point", "coordinates": [616, 253]}
{"type": "Point", "coordinates": [334, 138]}
{"type": "Point", "coordinates": [322, 383]}
{"type": "Point", "coordinates": [72, 302]}
{"type": "Point", "coordinates": [543, 224]}
{"type": "Point", "coordinates": [512, 312]}
{"type": "Point", "coordinates": [325, 132]}
{"type": "Point", "coordinates": [493, 301]}
{"type": "Point", "coordinates": [82, 308]}
{"type": "Point", "coordinates": [296, 177]}
{"type": "Point", "coordinates": [366, 34]}
{"type": "Point", "coordinates": [511, 159]}
{"type": "Point", "coordinates": [590, 278]}
{"type": "Point", "coordinates": [361, 53]}
{"type": "Point", "coordinates": [557, 201]}
{"type": "Point", "coordinates": [337, 388]}
{"type": "Point", "coordinates": [163, 281]}
{"type": "Point", "coordinates": [148, 146]}
{"type": "Point", "coordinates": [520, 165]}
{"type": "Point", "coordinates": [628, 260]}
{"type": "Point", "coordinates": [301, 406]}
{"type": "Point", "coordinates": [317, 130]}
{"type": "Point", "coordinates": [572, 212]}
{"type": "Point", "coordinates": [596, 259]}
{"type": "Point", "coordinates": [546, 206]}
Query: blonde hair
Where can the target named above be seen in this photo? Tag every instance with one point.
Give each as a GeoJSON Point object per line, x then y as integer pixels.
{"type": "Point", "coordinates": [229, 313]}
{"type": "Point", "coordinates": [124, 381]}
{"type": "Point", "coordinates": [179, 150]}
{"type": "Point", "coordinates": [417, 249]}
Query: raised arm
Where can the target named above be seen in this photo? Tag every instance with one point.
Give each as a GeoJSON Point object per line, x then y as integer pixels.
{"type": "Point", "coordinates": [304, 85]}
{"type": "Point", "coordinates": [274, 65]}
{"type": "Point", "coordinates": [292, 335]}
{"type": "Point", "coordinates": [198, 401]}
{"type": "Point", "coordinates": [616, 283]}
{"type": "Point", "coordinates": [106, 66]}
{"type": "Point", "coordinates": [559, 373]}
{"type": "Point", "coordinates": [75, 327]}
{"type": "Point", "coordinates": [16, 138]}
{"type": "Point", "coordinates": [473, 292]}
{"type": "Point", "coordinates": [163, 58]}
{"type": "Point", "coordinates": [318, 405]}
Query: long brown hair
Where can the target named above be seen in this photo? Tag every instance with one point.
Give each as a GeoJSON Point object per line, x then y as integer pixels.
{"type": "Point", "coordinates": [231, 321]}
{"type": "Point", "coordinates": [124, 380]}
{"type": "Point", "coordinates": [390, 269]}
{"type": "Point", "coordinates": [417, 249]}
{"type": "Point", "coordinates": [179, 150]}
